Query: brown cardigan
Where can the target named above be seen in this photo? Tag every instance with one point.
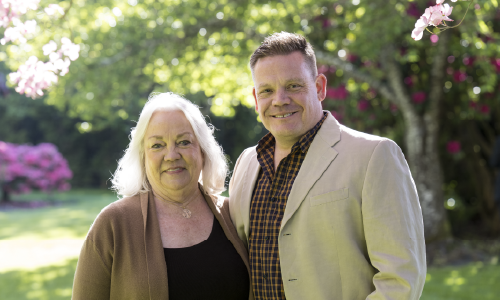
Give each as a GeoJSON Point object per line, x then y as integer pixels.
{"type": "Point", "coordinates": [122, 257]}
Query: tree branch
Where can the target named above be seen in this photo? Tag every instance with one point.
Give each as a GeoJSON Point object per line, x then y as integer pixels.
{"type": "Point", "coordinates": [395, 79]}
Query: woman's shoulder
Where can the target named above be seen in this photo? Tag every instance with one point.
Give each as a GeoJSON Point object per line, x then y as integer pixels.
{"type": "Point", "coordinates": [115, 214]}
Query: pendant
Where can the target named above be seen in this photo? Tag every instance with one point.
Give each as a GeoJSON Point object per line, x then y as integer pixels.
{"type": "Point", "coordinates": [186, 213]}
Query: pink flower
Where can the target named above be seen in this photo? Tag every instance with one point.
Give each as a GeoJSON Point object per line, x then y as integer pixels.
{"type": "Point", "coordinates": [459, 76]}
{"type": "Point", "coordinates": [412, 10]}
{"type": "Point", "coordinates": [434, 16]}
{"type": "Point", "coordinates": [496, 63]}
{"type": "Point", "coordinates": [484, 109]}
{"type": "Point", "coordinates": [18, 32]}
{"type": "Point", "coordinates": [53, 8]}
{"type": "Point", "coordinates": [337, 115]}
{"type": "Point", "coordinates": [363, 105]}
{"type": "Point", "coordinates": [339, 93]}
{"type": "Point", "coordinates": [468, 60]}
{"type": "Point", "coordinates": [434, 38]}
{"type": "Point", "coordinates": [418, 97]}
{"type": "Point", "coordinates": [453, 147]}
{"type": "Point", "coordinates": [49, 48]}
{"type": "Point", "coordinates": [408, 81]}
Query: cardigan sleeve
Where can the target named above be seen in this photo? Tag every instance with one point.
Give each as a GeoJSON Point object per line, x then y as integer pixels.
{"type": "Point", "coordinates": [92, 276]}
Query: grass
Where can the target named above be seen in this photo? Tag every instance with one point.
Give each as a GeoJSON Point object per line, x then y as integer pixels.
{"type": "Point", "coordinates": [39, 250]}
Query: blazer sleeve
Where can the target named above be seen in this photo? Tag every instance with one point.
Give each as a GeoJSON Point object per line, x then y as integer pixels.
{"type": "Point", "coordinates": [393, 225]}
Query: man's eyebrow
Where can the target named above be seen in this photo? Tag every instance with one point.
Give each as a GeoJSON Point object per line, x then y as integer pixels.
{"type": "Point", "coordinates": [296, 79]}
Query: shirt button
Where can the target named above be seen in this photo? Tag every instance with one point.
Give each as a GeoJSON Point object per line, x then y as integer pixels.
{"type": "Point", "coordinates": [265, 276]}
{"type": "Point", "coordinates": [273, 199]}
{"type": "Point", "coordinates": [266, 237]}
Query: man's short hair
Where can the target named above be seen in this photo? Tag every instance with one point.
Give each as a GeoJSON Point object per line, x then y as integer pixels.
{"type": "Point", "coordinates": [284, 43]}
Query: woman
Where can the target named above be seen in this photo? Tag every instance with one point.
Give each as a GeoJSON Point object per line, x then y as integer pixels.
{"type": "Point", "coordinates": [170, 220]}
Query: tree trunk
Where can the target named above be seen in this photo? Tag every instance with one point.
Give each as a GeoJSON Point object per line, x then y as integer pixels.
{"type": "Point", "coordinates": [5, 196]}
{"type": "Point", "coordinates": [421, 131]}
{"type": "Point", "coordinates": [426, 169]}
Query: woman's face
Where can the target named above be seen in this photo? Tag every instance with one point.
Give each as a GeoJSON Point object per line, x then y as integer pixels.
{"type": "Point", "coordinates": [172, 155]}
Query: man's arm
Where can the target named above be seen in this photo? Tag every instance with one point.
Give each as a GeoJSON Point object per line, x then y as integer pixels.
{"type": "Point", "coordinates": [393, 225]}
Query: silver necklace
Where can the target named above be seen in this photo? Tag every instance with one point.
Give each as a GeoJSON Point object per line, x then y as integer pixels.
{"type": "Point", "coordinates": [186, 213]}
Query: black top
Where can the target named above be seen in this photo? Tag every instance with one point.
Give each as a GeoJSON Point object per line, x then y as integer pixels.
{"type": "Point", "coordinates": [209, 270]}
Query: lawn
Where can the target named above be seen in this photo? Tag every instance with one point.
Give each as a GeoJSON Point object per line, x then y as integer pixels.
{"type": "Point", "coordinates": [39, 249]}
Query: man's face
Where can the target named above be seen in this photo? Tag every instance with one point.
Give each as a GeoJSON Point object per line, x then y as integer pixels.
{"type": "Point", "coordinates": [287, 96]}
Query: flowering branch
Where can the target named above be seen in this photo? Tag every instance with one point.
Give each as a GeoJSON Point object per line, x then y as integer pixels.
{"type": "Point", "coordinates": [34, 76]}
{"type": "Point", "coordinates": [434, 16]}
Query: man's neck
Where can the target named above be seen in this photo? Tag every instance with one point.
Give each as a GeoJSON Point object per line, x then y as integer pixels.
{"type": "Point", "coordinates": [281, 150]}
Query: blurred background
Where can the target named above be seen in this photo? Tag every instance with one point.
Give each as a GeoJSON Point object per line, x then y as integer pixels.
{"type": "Point", "coordinates": [437, 98]}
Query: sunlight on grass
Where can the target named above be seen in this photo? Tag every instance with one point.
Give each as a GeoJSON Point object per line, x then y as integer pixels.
{"type": "Point", "coordinates": [52, 282]}
{"type": "Point", "coordinates": [70, 220]}
{"type": "Point", "coordinates": [34, 254]}
{"type": "Point", "coordinates": [474, 281]}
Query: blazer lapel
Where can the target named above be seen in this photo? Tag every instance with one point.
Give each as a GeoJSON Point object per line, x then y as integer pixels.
{"type": "Point", "coordinates": [319, 157]}
{"type": "Point", "coordinates": [157, 276]}
{"type": "Point", "coordinates": [250, 178]}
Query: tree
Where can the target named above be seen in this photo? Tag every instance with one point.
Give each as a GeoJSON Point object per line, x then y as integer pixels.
{"type": "Point", "coordinates": [190, 47]}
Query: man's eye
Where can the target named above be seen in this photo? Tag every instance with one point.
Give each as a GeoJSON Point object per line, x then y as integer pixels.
{"type": "Point", "coordinates": [294, 86]}
{"type": "Point", "coordinates": [266, 91]}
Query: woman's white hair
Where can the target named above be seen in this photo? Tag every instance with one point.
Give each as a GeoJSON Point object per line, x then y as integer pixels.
{"type": "Point", "coordinates": [130, 177]}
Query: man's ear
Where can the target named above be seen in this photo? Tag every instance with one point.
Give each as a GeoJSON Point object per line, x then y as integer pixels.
{"type": "Point", "coordinates": [321, 87]}
{"type": "Point", "coordinates": [255, 97]}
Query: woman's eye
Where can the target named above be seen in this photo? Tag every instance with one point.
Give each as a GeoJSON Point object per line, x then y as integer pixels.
{"type": "Point", "coordinates": [184, 143]}
{"type": "Point", "coordinates": [156, 146]}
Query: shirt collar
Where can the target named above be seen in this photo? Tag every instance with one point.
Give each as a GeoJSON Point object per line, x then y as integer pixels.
{"type": "Point", "coordinates": [268, 141]}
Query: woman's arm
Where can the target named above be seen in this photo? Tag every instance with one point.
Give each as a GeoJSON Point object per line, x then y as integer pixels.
{"type": "Point", "coordinates": [92, 276]}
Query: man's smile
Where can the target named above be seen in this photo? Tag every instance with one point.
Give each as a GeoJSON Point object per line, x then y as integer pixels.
{"type": "Point", "coordinates": [282, 116]}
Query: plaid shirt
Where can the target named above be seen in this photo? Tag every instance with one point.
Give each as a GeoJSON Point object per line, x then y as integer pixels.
{"type": "Point", "coordinates": [267, 209]}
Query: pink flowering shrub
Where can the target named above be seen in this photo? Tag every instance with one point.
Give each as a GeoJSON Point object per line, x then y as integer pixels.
{"type": "Point", "coordinates": [41, 167]}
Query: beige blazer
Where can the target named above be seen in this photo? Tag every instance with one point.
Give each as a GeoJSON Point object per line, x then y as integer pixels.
{"type": "Point", "coordinates": [122, 257]}
{"type": "Point", "coordinates": [352, 227]}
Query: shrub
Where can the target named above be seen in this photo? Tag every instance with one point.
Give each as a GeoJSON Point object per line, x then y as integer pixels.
{"type": "Point", "coordinates": [24, 167]}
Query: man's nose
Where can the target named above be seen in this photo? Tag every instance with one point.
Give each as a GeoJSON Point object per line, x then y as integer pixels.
{"type": "Point", "coordinates": [172, 153]}
{"type": "Point", "coordinates": [281, 97]}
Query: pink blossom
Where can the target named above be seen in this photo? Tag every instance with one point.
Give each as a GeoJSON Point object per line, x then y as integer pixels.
{"type": "Point", "coordinates": [394, 108]}
{"type": "Point", "coordinates": [53, 8]}
{"type": "Point", "coordinates": [459, 76]}
{"type": "Point", "coordinates": [363, 105]}
{"type": "Point", "coordinates": [339, 93]}
{"type": "Point", "coordinates": [408, 81]}
{"type": "Point", "coordinates": [434, 38]}
{"type": "Point", "coordinates": [49, 48]}
{"type": "Point", "coordinates": [338, 116]}
{"type": "Point", "coordinates": [412, 10]}
{"type": "Point", "coordinates": [10, 9]}
{"type": "Point", "coordinates": [453, 147]}
{"type": "Point", "coordinates": [18, 32]}
{"type": "Point", "coordinates": [496, 63]}
{"type": "Point", "coordinates": [433, 16]}
{"type": "Point", "coordinates": [69, 49]}
{"type": "Point", "coordinates": [418, 97]}
{"type": "Point", "coordinates": [33, 77]}
{"type": "Point", "coordinates": [484, 109]}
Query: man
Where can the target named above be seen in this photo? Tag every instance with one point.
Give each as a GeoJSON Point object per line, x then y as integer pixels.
{"type": "Point", "coordinates": [326, 212]}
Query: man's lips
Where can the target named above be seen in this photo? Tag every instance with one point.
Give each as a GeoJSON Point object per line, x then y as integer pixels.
{"type": "Point", "coordinates": [283, 115]}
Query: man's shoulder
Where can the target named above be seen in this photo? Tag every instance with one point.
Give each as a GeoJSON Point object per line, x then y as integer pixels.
{"type": "Point", "coordinates": [351, 134]}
